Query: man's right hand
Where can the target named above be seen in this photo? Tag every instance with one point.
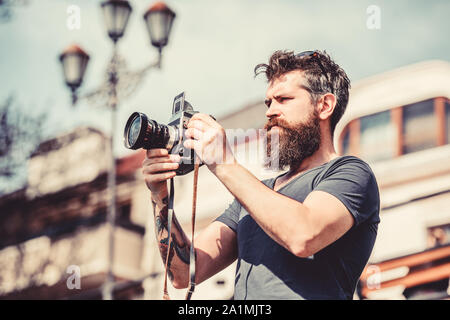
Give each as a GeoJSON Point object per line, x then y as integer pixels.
{"type": "Point", "coordinates": [215, 247]}
{"type": "Point", "coordinates": [157, 167]}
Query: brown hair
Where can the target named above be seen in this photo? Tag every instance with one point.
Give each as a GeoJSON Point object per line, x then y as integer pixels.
{"type": "Point", "coordinates": [322, 77]}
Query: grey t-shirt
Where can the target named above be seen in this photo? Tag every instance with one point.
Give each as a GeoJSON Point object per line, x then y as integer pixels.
{"type": "Point", "coordinates": [266, 270]}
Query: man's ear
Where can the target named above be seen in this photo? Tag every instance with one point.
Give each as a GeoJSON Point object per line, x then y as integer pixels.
{"type": "Point", "coordinates": [326, 106]}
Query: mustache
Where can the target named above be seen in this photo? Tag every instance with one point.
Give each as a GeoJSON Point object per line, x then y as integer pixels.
{"type": "Point", "coordinates": [276, 122]}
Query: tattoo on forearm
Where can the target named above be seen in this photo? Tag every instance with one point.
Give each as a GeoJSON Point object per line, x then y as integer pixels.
{"type": "Point", "coordinates": [182, 250]}
{"type": "Point", "coordinates": [179, 243]}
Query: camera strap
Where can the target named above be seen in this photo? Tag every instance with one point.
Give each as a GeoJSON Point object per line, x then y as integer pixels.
{"type": "Point", "coordinates": [192, 250]}
{"type": "Point", "coordinates": [169, 240]}
{"type": "Point", "coordinates": [169, 236]}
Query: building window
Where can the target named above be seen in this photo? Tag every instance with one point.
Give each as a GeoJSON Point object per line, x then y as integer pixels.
{"type": "Point", "coordinates": [401, 130]}
{"type": "Point", "coordinates": [377, 140]}
{"type": "Point", "coordinates": [438, 236]}
{"type": "Point", "coordinates": [419, 126]}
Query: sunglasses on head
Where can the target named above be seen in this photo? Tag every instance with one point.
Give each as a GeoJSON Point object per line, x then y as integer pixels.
{"type": "Point", "coordinates": [315, 54]}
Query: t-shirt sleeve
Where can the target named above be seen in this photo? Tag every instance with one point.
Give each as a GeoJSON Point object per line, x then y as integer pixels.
{"type": "Point", "coordinates": [354, 184]}
{"type": "Point", "coordinates": [230, 216]}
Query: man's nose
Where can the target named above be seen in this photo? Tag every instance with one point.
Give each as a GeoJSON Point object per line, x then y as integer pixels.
{"type": "Point", "coordinates": [273, 111]}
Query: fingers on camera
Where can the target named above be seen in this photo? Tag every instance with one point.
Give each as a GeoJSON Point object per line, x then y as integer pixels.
{"type": "Point", "coordinates": [156, 153]}
{"type": "Point", "coordinates": [156, 168]}
{"type": "Point", "coordinates": [161, 176]}
{"type": "Point", "coordinates": [160, 159]}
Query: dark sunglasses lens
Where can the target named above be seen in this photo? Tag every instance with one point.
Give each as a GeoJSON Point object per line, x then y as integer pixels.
{"type": "Point", "coordinates": [304, 53]}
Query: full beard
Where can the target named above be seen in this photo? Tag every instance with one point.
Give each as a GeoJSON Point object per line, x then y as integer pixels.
{"type": "Point", "coordinates": [295, 144]}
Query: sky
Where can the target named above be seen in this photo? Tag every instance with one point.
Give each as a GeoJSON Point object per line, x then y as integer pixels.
{"type": "Point", "coordinates": [213, 49]}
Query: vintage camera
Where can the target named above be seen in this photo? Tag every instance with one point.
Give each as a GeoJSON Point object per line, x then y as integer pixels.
{"type": "Point", "coordinates": [141, 132]}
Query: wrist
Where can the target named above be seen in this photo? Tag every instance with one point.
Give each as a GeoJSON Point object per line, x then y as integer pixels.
{"type": "Point", "coordinates": [224, 170]}
{"type": "Point", "coordinates": [160, 197]}
{"type": "Point", "coordinates": [223, 165]}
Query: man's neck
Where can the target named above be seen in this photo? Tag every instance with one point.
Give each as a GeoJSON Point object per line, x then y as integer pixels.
{"type": "Point", "coordinates": [324, 154]}
{"type": "Point", "coordinates": [321, 156]}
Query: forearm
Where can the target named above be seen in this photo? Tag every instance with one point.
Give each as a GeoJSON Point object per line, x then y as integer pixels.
{"type": "Point", "coordinates": [285, 220]}
{"type": "Point", "coordinates": [178, 263]}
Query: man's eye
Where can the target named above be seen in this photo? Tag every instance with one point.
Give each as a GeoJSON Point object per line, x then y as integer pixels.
{"type": "Point", "coordinates": [283, 99]}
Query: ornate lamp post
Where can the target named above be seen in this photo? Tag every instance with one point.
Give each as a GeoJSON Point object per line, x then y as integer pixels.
{"type": "Point", "coordinates": [74, 61]}
{"type": "Point", "coordinates": [159, 19]}
{"type": "Point", "coordinates": [116, 13]}
{"type": "Point", "coordinates": [119, 85]}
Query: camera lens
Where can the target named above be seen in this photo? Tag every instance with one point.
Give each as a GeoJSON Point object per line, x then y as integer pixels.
{"type": "Point", "coordinates": [133, 133]}
{"type": "Point", "coordinates": [140, 132]}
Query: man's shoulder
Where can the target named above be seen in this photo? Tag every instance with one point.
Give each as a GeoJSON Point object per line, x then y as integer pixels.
{"type": "Point", "coordinates": [352, 181]}
{"type": "Point", "coordinates": [348, 159]}
{"type": "Point", "coordinates": [348, 168]}
{"type": "Point", "coordinates": [348, 163]}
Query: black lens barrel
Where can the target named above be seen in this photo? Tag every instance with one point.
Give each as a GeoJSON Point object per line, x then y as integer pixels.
{"type": "Point", "coordinates": [156, 135]}
{"type": "Point", "coordinates": [150, 134]}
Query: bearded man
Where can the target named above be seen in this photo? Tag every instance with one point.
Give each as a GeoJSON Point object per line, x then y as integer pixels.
{"type": "Point", "coordinates": [306, 234]}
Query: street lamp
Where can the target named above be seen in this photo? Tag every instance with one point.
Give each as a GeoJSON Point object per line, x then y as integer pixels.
{"type": "Point", "coordinates": [159, 19]}
{"type": "Point", "coordinates": [116, 13]}
{"type": "Point", "coordinates": [74, 61]}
